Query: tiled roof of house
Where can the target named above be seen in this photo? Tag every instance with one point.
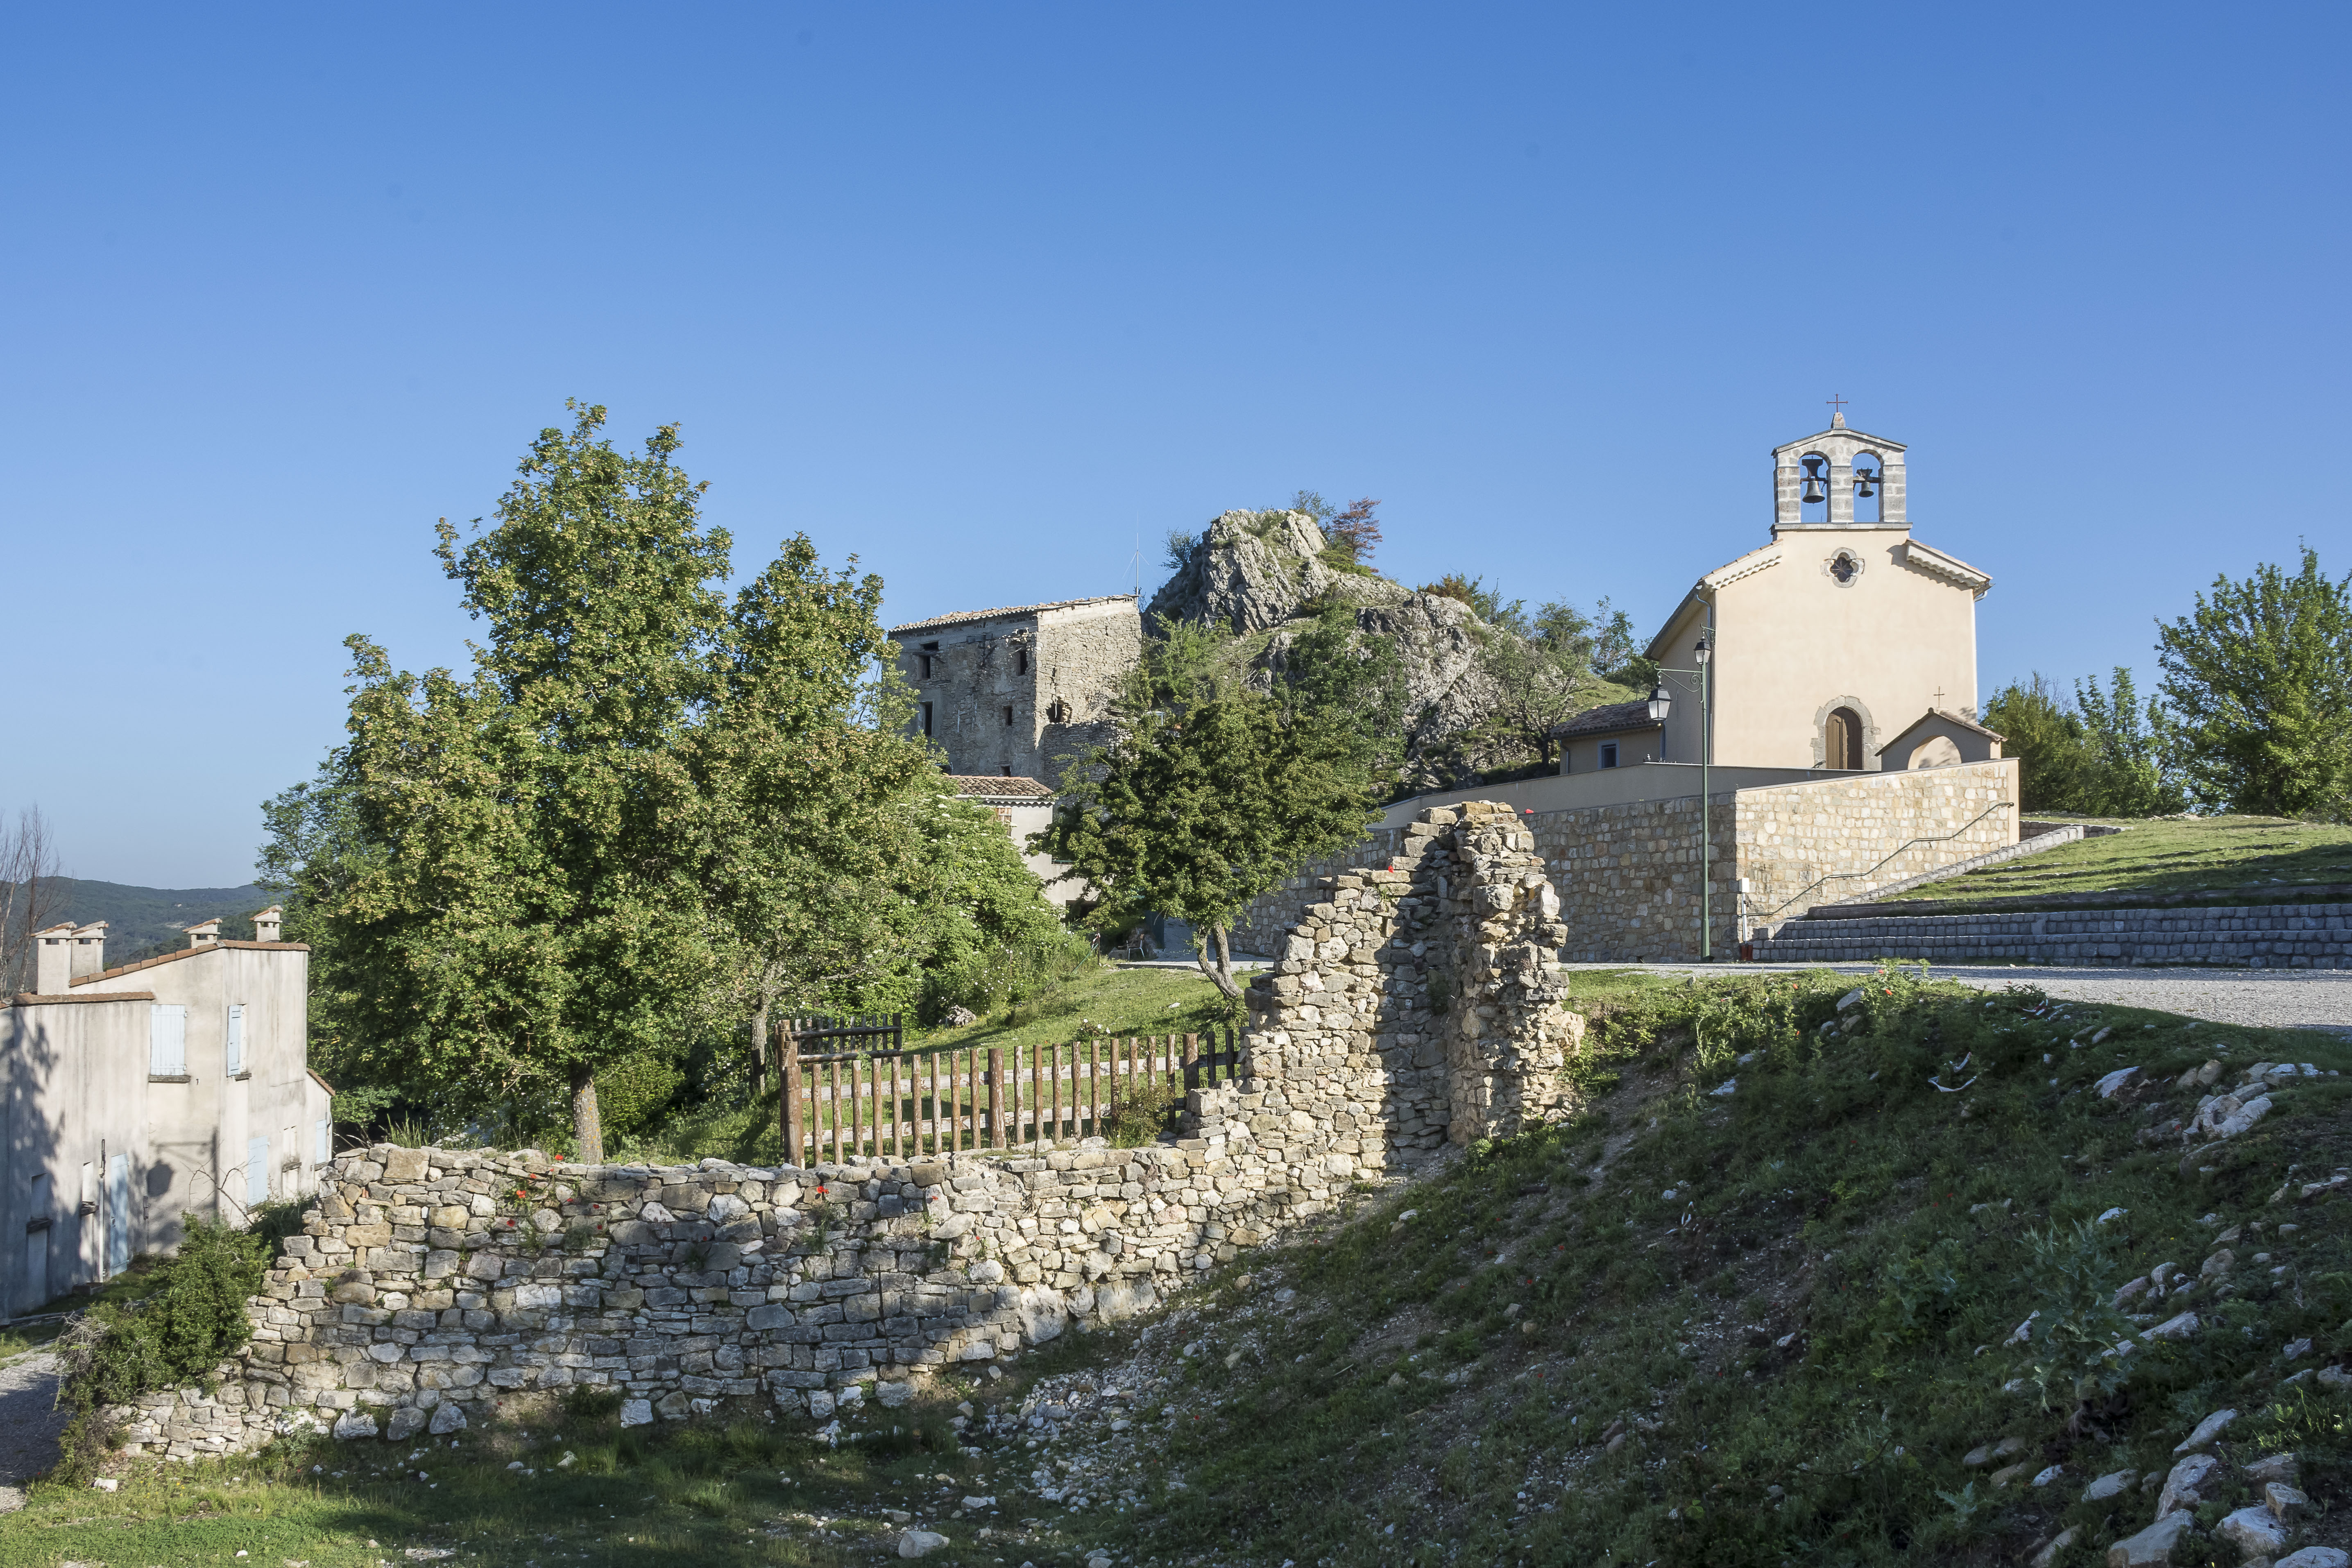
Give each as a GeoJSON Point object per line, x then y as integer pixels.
{"type": "Point", "coordinates": [996, 787]}
{"type": "Point", "coordinates": [175, 957]}
{"type": "Point", "coordinates": [33, 999]}
{"type": "Point", "coordinates": [1955, 720]}
{"type": "Point", "coordinates": [1608, 718]}
{"type": "Point", "coordinates": [961, 617]}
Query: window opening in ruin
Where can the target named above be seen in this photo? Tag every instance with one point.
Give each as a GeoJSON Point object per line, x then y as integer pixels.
{"type": "Point", "coordinates": [1866, 486]}
{"type": "Point", "coordinates": [1007, 769]}
{"type": "Point", "coordinates": [1608, 753]}
{"type": "Point", "coordinates": [1814, 492]}
{"type": "Point", "coordinates": [1008, 714]}
{"type": "Point", "coordinates": [1057, 712]}
{"type": "Point", "coordinates": [927, 720]}
{"type": "Point", "coordinates": [1021, 661]}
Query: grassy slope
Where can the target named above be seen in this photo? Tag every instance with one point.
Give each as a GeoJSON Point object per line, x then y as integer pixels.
{"type": "Point", "coordinates": [1834, 1198]}
{"type": "Point", "coordinates": [2267, 856]}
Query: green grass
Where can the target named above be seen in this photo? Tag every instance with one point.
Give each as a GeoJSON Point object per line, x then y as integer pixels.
{"type": "Point", "coordinates": [2265, 857]}
{"type": "Point", "coordinates": [1449, 1377]}
{"type": "Point", "coordinates": [746, 1493]}
{"type": "Point", "coordinates": [1835, 1198]}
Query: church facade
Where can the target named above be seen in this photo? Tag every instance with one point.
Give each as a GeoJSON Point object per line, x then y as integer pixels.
{"type": "Point", "coordinates": [1825, 646]}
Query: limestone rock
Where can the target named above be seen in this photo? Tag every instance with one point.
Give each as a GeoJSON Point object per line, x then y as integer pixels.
{"type": "Point", "coordinates": [2152, 1547]}
{"type": "Point", "coordinates": [636, 1412]}
{"type": "Point", "coordinates": [2187, 1484]}
{"type": "Point", "coordinates": [447, 1417]}
{"type": "Point", "coordinates": [2207, 1431]}
{"type": "Point", "coordinates": [2316, 1557]}
{"type": "Point", "coordinates": [354, 1423]}
{"type": "Point", "coordinates": [2049, 1554]}
{"type": "Point", "coordinates": [404, 1423]}
{"type": "Point", "coordinates": [2111, 1485]}
{"type": "Point", "coordinates": [918, 1542]}
{"type": "Point", "coordinates": [2283, 1501]}
{"type": "Point", "coordinates": [2273, 1468]}
{"type": "Point", "coordinates": [2253, 1531]}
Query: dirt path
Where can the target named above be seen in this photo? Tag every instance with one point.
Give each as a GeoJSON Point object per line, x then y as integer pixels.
{"type": "Point", "coordinates": [29, 1425]}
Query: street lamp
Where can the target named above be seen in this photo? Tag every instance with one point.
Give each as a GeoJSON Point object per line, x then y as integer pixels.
{"type": "Point", "coordinates": [1661, 703]}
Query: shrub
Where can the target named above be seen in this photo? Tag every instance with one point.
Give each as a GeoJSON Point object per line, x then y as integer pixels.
{"type": "Point", "coordinates": [189, 1315]}
{"type": "Point", "coordinates": [1141, 1110]}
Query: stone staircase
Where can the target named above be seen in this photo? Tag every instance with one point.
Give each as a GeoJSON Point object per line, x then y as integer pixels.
{"type": "Point", "coordinates": [2271, 936]}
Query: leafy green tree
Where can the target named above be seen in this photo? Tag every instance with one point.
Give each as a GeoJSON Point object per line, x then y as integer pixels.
{"type": "Point", "coordinates": [2129, 772]}
{"type": "Point", "coordinates": [519, 902]}
{"type": "Point", "coordinates": [1541, 670]}
{"type": "Point", "coordinates": [1357, 682]}
{"type": "Point", "coordinates": [2258, 678]}
{"type": "Point", "coordinates": [2050, 741]}
{"type": "Point", "coordinates": [1209, 795]}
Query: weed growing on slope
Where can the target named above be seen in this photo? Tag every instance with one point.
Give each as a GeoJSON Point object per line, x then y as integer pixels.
{"type": "Point", "coordinates": [1766, 1325]}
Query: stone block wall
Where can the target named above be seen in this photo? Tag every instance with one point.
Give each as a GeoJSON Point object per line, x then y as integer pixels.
{"type": "Point", "coordinates": [1627, 874]}
{"type": "Point", "coordinates": [1411, 1007]}
{"type": "Point", "coordinates": [2284, 936]}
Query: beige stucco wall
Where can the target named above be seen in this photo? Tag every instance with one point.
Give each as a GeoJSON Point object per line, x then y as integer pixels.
{"type": "Point", "coordinates": [200, 1129]}
{"type": "Point", "coordinates": [76, 1083]}
{"type": "Point", "coordinates": [1791, 643]}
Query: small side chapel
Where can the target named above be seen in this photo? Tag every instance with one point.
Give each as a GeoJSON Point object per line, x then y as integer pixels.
{"type": "Point", "coordinates": [1844, 645]}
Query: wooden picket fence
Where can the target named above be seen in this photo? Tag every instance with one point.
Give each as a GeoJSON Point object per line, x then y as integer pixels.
{"type": "Point", "coordinates": [904, 1103]}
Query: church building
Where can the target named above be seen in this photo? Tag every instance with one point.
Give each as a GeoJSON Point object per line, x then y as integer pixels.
{"type": "Point", "coordinates": [1845, 644]}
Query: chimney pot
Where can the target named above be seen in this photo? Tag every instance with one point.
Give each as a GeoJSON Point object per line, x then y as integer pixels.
{"type": "Point", "coordinates": [203, 933]}
{"type": "Point", "coordinates": [53, 959]}
{"type": "Point", "coordinates": [89, 949]}
{"type": "Point", "coordinates": [266, 923]}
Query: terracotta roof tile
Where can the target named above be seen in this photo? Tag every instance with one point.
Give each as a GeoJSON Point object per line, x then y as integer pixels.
{"type": "Point", "coordinates": [960, 618]}
{"type": "Point", "coordinates": [174, 957]}
{"type": "Point", "coordinates": [1608, 718]}
{"type": "Point", "coordinates": [978, 786]}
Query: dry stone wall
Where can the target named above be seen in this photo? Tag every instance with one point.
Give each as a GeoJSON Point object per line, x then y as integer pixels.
{"type": "Point", "coordinates": [1411, 1008]}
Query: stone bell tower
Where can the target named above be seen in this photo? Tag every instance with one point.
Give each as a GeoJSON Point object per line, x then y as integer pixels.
{"type": "Point", "coordinates": [1839, 478]}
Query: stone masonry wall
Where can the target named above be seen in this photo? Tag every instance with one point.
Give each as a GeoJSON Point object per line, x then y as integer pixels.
{"type": "Point", "coordinates": [1627, 874]}
{"type": "Point", "coordinates": [1411, 1007]}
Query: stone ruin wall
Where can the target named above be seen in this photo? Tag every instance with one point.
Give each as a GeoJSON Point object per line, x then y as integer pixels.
{"type": "Point", "coordinates": [1627, 874]}
{"type": "Point", "coordinates": [1411, 1009]}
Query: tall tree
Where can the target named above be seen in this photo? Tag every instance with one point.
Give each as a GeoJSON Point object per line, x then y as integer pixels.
{"type": "Point", "coordinates": [29, 893]}
{"type": "Point", "coordinates": [528, 907]}
{"type": "Point", "coordinates": [2055, 760]}
{"type": "Point", "coordinates": [2258, 678]}
{"type": "Point", "coordinates": [1209, 795]}
{"type": "Point", "coordinates": [2129, 769]}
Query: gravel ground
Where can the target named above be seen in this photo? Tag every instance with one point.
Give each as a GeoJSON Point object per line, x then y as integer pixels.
{"type": "Point", "coordinates": [29, 1425]}
{"type": "Point", "coordinates": [2259, 998]}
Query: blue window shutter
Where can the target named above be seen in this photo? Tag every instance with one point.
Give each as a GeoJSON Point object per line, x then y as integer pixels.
{"type": "Point", "coordinates": [167, 1040]}
{"type": "Point", "coordinates": [256, 1170]}
{"type": "Point", "coordinates": [235, 1038]}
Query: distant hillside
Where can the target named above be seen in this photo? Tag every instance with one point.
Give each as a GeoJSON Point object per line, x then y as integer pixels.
{"type": "Point", "coordinates": [144, 922]}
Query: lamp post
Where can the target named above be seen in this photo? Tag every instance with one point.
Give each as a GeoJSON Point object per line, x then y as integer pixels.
{"type": "Point", "coordinates": [1662, 702]}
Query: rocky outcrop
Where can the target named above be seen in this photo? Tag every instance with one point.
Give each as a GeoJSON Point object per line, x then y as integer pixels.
{"type": "Point", "coordinates": [1264, 573]}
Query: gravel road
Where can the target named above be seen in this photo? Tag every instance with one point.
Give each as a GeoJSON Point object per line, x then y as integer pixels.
{"type": "Point", "coordinates": [2259, 998]}
{"type": "Point", "coordinates": [28, 1426]}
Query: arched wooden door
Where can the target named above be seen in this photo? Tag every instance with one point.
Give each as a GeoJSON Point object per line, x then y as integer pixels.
{"type": "Point", "coordinates": [1841, 742]}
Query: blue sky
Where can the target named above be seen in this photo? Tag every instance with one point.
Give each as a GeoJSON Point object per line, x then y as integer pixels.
{"type": "Point", "coordinates": [982, 294]}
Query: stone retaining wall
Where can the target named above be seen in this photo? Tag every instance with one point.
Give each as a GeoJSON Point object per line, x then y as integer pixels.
{"type": "Point", "coordinates": [2294, 936]}
{"type": "Point", "coordinates": [1411, 1009]}
{"type": "Point", "coordinates": [1627, 874]}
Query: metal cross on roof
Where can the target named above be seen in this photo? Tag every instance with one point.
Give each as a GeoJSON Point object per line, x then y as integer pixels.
{"type": "Point", "coordinates": [1837, 404]}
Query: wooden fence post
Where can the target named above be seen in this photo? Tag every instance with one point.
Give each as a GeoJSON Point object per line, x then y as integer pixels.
{"type": "Point", "coordinates": [788, 1097]}
{"type": "Point", "coordinates": [995, 1097]}
{"type": "Point", "coordinates": [1192, 1063]}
